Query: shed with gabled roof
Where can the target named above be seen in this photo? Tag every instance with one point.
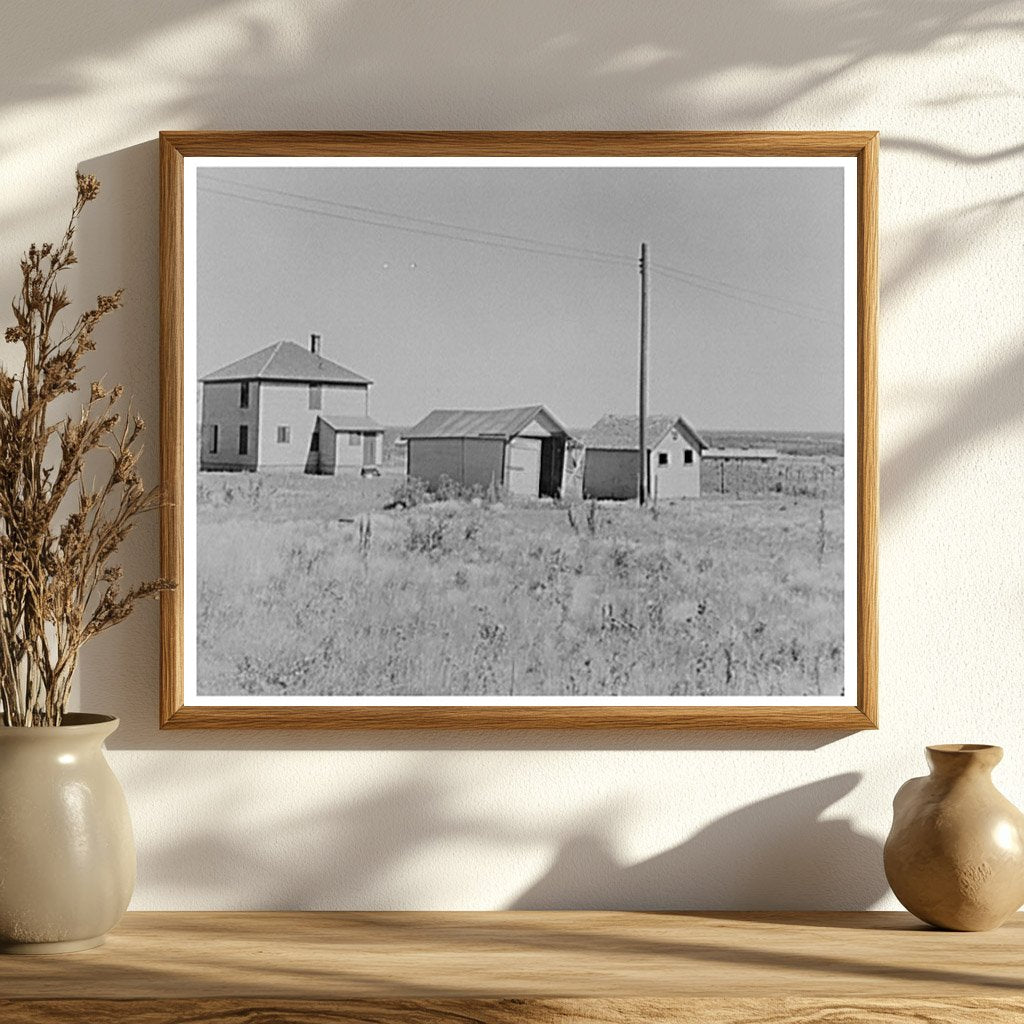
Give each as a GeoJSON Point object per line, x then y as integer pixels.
{"type": "Point", "coordinates": [521, 449]}
{"type": "Point", "coordinates": [611, 457]}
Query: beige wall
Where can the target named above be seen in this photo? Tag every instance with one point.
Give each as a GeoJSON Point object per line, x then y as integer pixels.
{"type": "Point", "coordinates": [285, 405]}
{"type": "Point", "coordinates": [337, 454]}
{"type": "Point", "coordinates": [677, 479]}
{"type": "Point", "coordinates": [461, 820]}
{"type": "Point", "coordinates": [342, 400]}
{"type": "Point", "coordinates": [347, 455]}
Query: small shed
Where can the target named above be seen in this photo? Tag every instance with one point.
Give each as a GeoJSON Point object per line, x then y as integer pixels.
{"type": "Point", "coordinates": [612, 446]}
{"type": "Point", "coordinates": [521, 449]}
{"type": "Point", "coordinates": [347, 443]}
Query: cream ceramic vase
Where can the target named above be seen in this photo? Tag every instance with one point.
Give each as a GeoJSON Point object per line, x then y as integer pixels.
{"type": "Point", "coordinates": [67, 856]}
{"type": "Point", "coordinates": [955, 855]}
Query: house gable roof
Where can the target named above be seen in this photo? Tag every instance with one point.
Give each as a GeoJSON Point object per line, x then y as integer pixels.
{"type": "Point", "coordinates": [504, 423]}
{"type": "Point", "coordinates": [619, 433]}
{"type": "Point", "coordinates": [286, 361]}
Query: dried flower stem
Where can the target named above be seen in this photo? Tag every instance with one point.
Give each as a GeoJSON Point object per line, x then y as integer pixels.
{"type": "Point", "coordinates": [58, 587]}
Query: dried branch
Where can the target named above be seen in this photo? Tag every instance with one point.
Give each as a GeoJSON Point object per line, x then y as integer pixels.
{"type": "Point", "coordinates": [58, 586]}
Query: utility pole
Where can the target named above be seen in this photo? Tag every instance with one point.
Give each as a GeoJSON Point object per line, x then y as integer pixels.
{"type": "Point", "coordinates": [642, 471]}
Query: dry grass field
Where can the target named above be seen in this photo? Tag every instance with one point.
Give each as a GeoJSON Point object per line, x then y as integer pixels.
{"type": "Point", "coordinates": [307, 586]}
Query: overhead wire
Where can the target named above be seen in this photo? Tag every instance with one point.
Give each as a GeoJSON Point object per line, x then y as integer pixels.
{"type": "Point", "coordinates": [608, 260]}
{"type": "Point", "coordinates": [514, 243]}
{"type": "Point", "coordinates": [417, 220]}
{"type": "Point", "coordinates": [740, 288]}
{"type": "Point", "coordinates": [748, 301]}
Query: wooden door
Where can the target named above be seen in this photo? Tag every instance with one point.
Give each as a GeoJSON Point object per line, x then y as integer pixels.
{"type": "Point", "coordinates": [524, 466]}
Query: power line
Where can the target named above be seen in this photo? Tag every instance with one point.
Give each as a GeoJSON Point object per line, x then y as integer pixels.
{"type": "Point", "coordinates": [450, 234]}
{"type": "Point", "coordinates": [574, 249]}
{"type": "Point", "coordinates": [411, 230]}
{"type": "Point", "coordinates": [750, 302]}
{"type": "Point", "coordinates": [740, 288]}
{"type": "Point", "coordinates": [570, 249]}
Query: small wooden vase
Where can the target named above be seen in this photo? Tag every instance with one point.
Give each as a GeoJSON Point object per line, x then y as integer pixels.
{"type": "Point", "coordinates": [955, 854]}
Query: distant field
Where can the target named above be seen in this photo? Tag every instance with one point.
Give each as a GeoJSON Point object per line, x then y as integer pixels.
{"type": "Point", "coordinates": [307, 586]}
{"type": "Point", "coordinates": [806, 443]}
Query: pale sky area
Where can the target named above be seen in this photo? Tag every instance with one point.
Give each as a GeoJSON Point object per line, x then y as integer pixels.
{"type": "Point", "coordinates": [440, 322]}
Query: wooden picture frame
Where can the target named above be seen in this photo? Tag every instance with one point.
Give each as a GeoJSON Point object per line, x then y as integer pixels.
{"type": "Point", "coordinates": [176, 148]}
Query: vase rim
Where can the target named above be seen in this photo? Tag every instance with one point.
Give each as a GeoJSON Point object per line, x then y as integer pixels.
{"type": "Point", "coordinates": [962, 748]}
{"type": "Point", "coordinates": [71, 722]}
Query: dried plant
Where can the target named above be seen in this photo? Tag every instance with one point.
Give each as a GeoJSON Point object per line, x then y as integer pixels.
{"type": "Point", "coordinates": [58, 534]}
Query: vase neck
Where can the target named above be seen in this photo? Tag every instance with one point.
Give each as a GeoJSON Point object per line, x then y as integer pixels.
{"type": "Point", "coordinates": [952, 760]}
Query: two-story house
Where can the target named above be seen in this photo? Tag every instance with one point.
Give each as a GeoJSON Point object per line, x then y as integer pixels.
{"type": "Point", "coordinates": [288, 408]}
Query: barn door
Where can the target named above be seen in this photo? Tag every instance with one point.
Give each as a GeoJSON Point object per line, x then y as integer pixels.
{"type": "Point", "coordinates": [524, 466]}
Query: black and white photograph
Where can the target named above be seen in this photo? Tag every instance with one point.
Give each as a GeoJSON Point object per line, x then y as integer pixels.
{"type": "Point", "coordinates": [521, 430]}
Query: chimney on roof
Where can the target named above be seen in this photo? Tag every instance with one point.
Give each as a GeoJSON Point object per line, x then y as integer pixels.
{"type": "Point", "coordinates": [314, 344]}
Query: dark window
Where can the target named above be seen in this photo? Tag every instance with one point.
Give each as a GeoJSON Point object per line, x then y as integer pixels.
{"type": "Point", "coordinates": [354, 440]}
{"type": "Point", "coordinates": [688, 457]}
{"type": "Point", "coordinates": [243, 440]}
{"type": "Point", "coordinates": [214, 437]}
{"type": "Point", "coordinates": [314, 445]}
{"type": "Point", "coordinates": [284, 435]}
{"type": "Point", "coordinates": [316, 396]}
{"type": "Point", "coordinates": [243, 395]}
{"type": "Point", "coordinates": [662, 458]}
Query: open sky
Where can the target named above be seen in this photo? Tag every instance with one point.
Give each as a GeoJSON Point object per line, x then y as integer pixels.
{"type": "Point", "coordinates": [438, 301]}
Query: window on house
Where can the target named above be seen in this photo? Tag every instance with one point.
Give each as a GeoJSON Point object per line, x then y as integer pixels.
{"type": "Point", "coordinates": [243, 395]}
{"type": "Point", "coordinates": [662, 458]}
{"type": "Point", "coordinates": [688, 457]}
{"type": "Point", "coordinates": [214, 438]}
{"type": "Point", "coordinates": [354, 440]}
{"type": "Point", "coordinates": [284, 435]}
{"type": "Point", "coordinates": [243, 440]}
{"type": "Point", "coordinates": [316, 396]}
{"type": "Point", "coordinates": [314, 445]}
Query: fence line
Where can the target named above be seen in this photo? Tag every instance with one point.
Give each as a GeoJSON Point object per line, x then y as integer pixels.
{"type": "Point", "coordinates": [750, 478]}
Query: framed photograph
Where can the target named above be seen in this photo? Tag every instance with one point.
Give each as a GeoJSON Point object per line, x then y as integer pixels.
{"type": "Point", "coordinates": [519, 430]}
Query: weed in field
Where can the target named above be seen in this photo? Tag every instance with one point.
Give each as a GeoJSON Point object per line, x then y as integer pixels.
{"type": "Point", "coordinates": [464, 598]}
{"type": "Point", "coordinates": [365, 536]}
{"type": "Point", "coordinates": [409, 493]}
{"type": "Point", "coordinates": [427, 535]}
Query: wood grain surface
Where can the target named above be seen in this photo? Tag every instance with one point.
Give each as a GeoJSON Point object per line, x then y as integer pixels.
{"type": "Point", "coordinates": [515, 1011]}
{"type": "Point", "coordinates": [423, 968]}
{"type": "Point", "coordinates": [175, 147]}
{"type": "Point", "coordinates": [527, 954]}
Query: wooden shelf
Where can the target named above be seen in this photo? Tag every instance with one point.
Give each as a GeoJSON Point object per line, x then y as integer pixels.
{"type": "Point", "coordinates": [500, 968]}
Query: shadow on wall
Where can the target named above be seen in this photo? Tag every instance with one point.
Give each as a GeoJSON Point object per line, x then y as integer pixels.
{"type": "Point", "coordinates": [308, 60]}
{"type": "Point", "coordinates": [776, 854]}
{"type": "Point", "coordinates": [991, 404]}
{"type": "Point", "coordinates": [129, 70]}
